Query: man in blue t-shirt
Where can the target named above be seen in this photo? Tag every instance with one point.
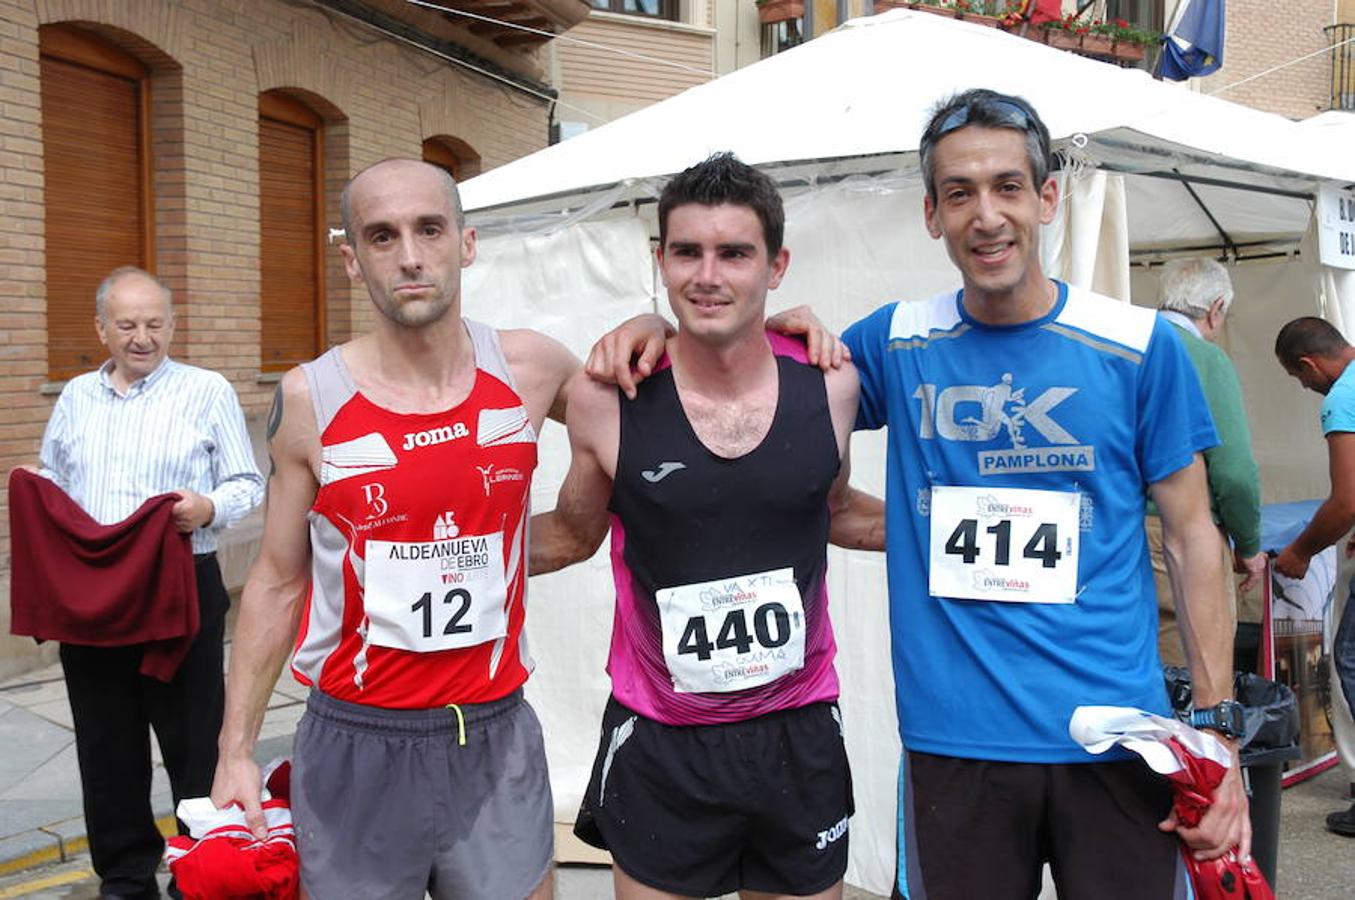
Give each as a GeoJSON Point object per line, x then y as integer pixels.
{"type": "Point", "coordinates": [1027, 420]}
{"type": "Point", "coordinates": [1314, 352]}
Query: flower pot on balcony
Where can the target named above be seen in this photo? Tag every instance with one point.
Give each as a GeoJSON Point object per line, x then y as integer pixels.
{"type": "Point", "coordinates": [980, 19]}
{"type": "Point", "coordinates": [886, 5]}
{"type": "Point", "coordinates": [934, 10]}
{"type": "Point", "coordinates": [1098, 44]}
{"type": "Point", "coordinates": [769, 12]}
{"type": "Point", "coordinates": [1130, 51]}
{"type": "Point", "coordinates": [1062, 39]}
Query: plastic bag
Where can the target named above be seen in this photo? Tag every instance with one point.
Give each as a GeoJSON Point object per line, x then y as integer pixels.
{"type": "Point", "coordinates": [1270, 709]}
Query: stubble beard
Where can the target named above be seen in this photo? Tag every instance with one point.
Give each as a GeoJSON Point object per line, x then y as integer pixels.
{"type": "Point", "coordinates": [416, 314]}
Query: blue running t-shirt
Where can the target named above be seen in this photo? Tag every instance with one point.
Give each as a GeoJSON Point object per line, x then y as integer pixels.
{"type": "Point", "coordinates": [1097, 398]}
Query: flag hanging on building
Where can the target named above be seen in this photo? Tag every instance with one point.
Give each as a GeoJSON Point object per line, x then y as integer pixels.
{"type": "Point", "coordinates": [1193, 45]}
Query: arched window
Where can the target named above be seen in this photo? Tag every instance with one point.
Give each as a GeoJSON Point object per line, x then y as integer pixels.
{"type": "Point", "coordinates": [97, 185]}
{"type": "Point", "coordinates": [291, 248]}
{"type": "Point", "coordinates": [453, 155]}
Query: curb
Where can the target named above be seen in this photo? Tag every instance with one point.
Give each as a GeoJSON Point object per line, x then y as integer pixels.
{"type": "Point", "coordinates": [59, 842]}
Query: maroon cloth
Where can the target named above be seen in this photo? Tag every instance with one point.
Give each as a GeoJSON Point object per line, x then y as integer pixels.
{"type": "Point", "coordinates": [79, 582]}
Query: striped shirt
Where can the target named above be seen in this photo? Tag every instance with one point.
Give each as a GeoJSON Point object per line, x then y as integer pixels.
{"type": "Point", "coordinates": [178, 428]}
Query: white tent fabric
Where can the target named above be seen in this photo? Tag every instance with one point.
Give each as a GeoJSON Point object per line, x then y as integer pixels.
{"type": "Point", "coordinates": [864, 90]}
{"type": "Point", "coordinates": [565, 249]}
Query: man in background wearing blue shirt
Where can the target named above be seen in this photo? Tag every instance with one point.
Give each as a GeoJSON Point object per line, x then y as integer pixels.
{"type": "Point", "coordinates": [142, 425]}
{"type": "Point", "coordinates": [1314, 352]}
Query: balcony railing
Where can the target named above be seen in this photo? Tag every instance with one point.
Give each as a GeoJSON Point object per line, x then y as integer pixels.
{"type": "Point", "coordinates": [1342, 65]}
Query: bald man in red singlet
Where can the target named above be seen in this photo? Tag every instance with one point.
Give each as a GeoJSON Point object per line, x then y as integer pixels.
{"type": "Point", "coordinates": [394, 553]}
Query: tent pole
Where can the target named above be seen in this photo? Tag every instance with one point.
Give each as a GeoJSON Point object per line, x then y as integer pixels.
{"type": "Point", "coordinates": [1227, 239]}
{"type": "Point", "coordinates": [1176, 175]}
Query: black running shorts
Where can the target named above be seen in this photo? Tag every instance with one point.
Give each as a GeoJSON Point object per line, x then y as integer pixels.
{"type": "Point", "coordinates": [973, 828]}
{"type": "Point", "coordinates": [704, 810]}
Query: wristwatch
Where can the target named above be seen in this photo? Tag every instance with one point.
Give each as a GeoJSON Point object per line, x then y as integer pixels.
{"type": "Point", "coordinates": [1226, 718]}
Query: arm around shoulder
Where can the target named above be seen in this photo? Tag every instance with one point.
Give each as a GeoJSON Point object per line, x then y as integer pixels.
{"type": "Point", "coordinates": [575, 528]}
{"type": "Point", "coordinates": [858, 518]}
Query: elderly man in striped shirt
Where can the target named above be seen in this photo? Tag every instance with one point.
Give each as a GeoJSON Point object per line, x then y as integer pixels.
{"type": "Point", "coordinates": [141, 425]}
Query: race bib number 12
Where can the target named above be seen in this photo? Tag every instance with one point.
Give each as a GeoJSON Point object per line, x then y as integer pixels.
{"type": "Point", "coordinates": [1008, 544]}
{"type": "Point", "coordinates": [435, 595]}
{"type": "Point", "coordinates": [732, 633]}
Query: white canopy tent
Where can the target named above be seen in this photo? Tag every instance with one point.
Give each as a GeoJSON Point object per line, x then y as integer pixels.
{"type": "Point", "coordinates": [1150, 170]}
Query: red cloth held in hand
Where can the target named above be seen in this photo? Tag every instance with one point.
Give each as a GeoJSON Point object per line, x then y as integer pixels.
{"type": "Point", "coordinates": [79, 582]}
{"type": "Point", "coordinates": [222, 860]}
{"type": "Point", "coordinates": [1196, 763]}
{"type": "Point", "coordinates": [1226, 877]}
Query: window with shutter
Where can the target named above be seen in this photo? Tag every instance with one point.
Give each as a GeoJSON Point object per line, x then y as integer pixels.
{"type": "Point", "coordinates": [291, 254]}
{"type": "Point", "coordinates": [453, 155]}
{"type": "Point", "coordinates": [97, 197]}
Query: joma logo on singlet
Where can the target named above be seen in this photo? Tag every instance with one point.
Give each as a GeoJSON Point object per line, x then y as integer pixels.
{"type": "Point", "coordinates": [435, 436]}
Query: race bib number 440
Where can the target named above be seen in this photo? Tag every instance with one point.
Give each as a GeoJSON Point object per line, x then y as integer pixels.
{"type": "Point", "coordinates": [732, 633]}
{"type": "Point", "coordinates": [435, 595]}
{"type": "Point", "coordinates": [1007, 544]}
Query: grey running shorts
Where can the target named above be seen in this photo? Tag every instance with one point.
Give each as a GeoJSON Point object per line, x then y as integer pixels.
{"type": "Point", "coordinates": [393, 803]}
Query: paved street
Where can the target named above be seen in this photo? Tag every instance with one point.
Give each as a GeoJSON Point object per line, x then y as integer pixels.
{"type": "Point", "coordinates": [42, 848]}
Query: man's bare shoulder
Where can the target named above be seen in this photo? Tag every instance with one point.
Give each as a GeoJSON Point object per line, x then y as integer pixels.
{"type": "Point", "coordinates": [843, 385]}
{"type": "Point", "coordinates": [291, 427]}
{"type": "Point", "coordinates": [590, 400]}
{"type": "Point", "coordinates": [524, 346]}
{"type": "Point", "coordinates": [541, 365]}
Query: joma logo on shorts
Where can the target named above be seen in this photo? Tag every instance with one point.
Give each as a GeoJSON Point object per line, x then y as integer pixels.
{"type": "Point", "coordinates": [435, 436]}
{"type": "Point", "coordinates": [832, 834]}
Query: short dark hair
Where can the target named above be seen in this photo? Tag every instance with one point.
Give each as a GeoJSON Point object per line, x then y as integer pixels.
{"type": "Point", "coordinates": [988, 109]}
{"type": "Point", "coordinates": [1308, 336]}
{"type": "Point", "coordinates": [722, 178]}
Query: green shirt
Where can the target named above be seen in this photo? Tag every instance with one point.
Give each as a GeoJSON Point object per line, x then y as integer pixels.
{"type": "Point", "coordinates": [1234, 479]}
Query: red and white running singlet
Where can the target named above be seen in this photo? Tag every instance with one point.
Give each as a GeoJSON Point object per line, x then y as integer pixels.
{"type": "Point", "coordinates": [418, 543]}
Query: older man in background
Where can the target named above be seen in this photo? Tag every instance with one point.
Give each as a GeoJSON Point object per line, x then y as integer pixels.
{"type": "Point", "coordinates": [1195, 297]}
{"type": "Point", "coordinates": [139, 426]}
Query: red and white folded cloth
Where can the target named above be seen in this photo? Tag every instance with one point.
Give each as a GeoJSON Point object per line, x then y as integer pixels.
{"type": "Point", "coordinates": [1195, 762]}
{"type": "Point", "coordinates": [222, 860]}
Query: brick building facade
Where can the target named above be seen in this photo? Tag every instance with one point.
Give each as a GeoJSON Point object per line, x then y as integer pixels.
{"type": "Point", "coordinates": [1261, 36]}
{"type": "Point", "coordinates": [207, 63]}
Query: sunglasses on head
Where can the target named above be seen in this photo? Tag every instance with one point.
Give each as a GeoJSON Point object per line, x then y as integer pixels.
{"type": "Point", "coordinates": [1006, 112]}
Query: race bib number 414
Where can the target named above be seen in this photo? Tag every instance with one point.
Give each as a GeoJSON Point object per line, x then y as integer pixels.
{"type": "Point", "coordinates": [435, 595]}
{"type": "Point", "coordinates": [732, 633]}
{"type": "Point", "coordinates": [1007, 544]}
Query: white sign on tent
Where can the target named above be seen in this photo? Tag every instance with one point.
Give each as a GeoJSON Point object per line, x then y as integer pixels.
{"type": "Point", "coordinates": [1336, 226]}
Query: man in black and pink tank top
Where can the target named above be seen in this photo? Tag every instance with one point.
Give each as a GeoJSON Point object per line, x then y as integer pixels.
{"type": "Point", "coordinates": [721, 765]}
{"type": "Point", "coordinates": [393, 560]}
